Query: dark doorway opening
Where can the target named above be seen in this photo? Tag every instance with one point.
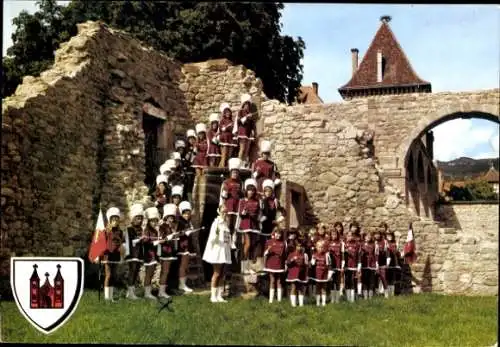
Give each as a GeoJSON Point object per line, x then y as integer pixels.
{"type": "Point", "coordinates": [155, 155]}
{"type": "Point", "coordinates": [295, 211]}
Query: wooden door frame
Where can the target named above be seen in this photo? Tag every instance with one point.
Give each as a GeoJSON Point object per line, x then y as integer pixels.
{"type": "Point", "coordinates": [290, 188]}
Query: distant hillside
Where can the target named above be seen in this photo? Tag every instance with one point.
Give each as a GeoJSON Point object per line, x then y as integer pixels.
{"type": "Point", "coordinates": [466, 167]}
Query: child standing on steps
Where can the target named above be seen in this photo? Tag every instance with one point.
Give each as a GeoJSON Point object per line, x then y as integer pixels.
{"type": "Point", "coordinates": [275, 261]}
{"type": "Point", "coordinates": [297, 263]}
{"type": "Point", "coordinates": [134, 248]}
{"type": "Point", "coordinates": [213, 141]}
{"type": "Point", "coordinates": [186, 249]}
{"type": "Point", "coordinates": [264, 168]}
{"type": "Point", "coordinates": [393, 266]}
{"type": "Point", "coordinates": [381, 255]}
{"type": "Point", "coordinates": [200, 162]}
{"type": "Point", "coordinates": [166, 249]}
{"type": "Point", "coordinates": [150, 241]}
{"type": "Point", "coordinates": [113, 253]}
{"type": "Point", "coordinates": [248, 222]}
{"type": "Point", "coordinates": [245, 128]}
{"type": "Point", "coordinates": [321, 263]}
{"type": "Point", "coordinates": [369, 265]}
{"type": "Point", "coordinates": [218, 252]}
{"type": "Point", "coordinates": [161, 192]}
{"type": "Point", "coordinates": [187, 162]}
{"type": "Point", "coordinates": [226, 134]}
{"type": "Point", "coordinates": [230, 195]}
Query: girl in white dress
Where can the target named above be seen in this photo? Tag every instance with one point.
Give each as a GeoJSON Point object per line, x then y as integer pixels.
{"type": "Point", "coordinates": [218, 252]}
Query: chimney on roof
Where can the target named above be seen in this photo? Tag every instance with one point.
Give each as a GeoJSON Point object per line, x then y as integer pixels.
{"type": "Point", "coordinates": [385, 19]}
{"type": "Point", "coordinates": [315, 87]}
{"type": "Point", "coordinates": [354, 55]}
{"type": "Point", "coordinates": [379, 66]}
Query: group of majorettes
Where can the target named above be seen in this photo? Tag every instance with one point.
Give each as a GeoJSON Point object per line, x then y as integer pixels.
{"type": "Point", "coordinates": [325, 258]}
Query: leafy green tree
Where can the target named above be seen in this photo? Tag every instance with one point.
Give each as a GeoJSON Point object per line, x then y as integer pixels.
{"type": "Point", "coordinates": [481, 190]}
{"type": "Point", "coordinates": [245, 33]}
{"type": "Point", "coordinates": [459, 193]}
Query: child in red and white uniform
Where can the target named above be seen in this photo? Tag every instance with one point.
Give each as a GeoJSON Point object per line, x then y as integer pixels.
{"type": "Point", "coordinates": [133, 247]}
{"type": "Point", "coordinates": [185, 248]}
{"type": "Point", "coordinates": [352, 270]}
{"type": "Point", "coordinates": [322, 273]}
{"type": "Point", "coordinates": [358, 237]}
{"type": "Point", "coordinates": [226, 133]}
{"type": "Point", "coordinates": [297, 264]}
{"type": "Point", "coordinates": [200, 160]}
{"type": "Point", "coordinates": [369, 265]}
{"type": "Point", "coordinates": [244, 127]}
{"type": "Point", "coordinates": [230, 195]}
{"type": "Point", "coordinates": [275, 255]}
{"type": "Point", "coordinates": [381, 254]}
{"type": "Point", "coordinates": [269, 206]}
{"type": "Point", "coordinates": [166, 248]}
{"type": "Point", "coordinates": [264, 168]}
{"type": "Point", "coordinates": [249, 215]}
{"type": "Point", "coordinates": [114, 252]}
{"type": "Point", "coordinates": [161, 192]}
{"type": "Point", "coordinates": [213, 141]}
{"type": "Point", "coordinates": [312, 238]}
{"type": "Point", "coordinates": [176, 198]}
{"type": "Point", "coordinates": [337, 249]}
{"type": "Point", "coordinates": [150, 237]}
{"type": "Point", "coordinates": [393, 263]}
{"type": "Point", "coordinates": [339, 228]}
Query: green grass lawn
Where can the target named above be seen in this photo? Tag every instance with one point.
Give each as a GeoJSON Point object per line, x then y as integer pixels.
{"type": "Point", "coordinates": [418, 320]}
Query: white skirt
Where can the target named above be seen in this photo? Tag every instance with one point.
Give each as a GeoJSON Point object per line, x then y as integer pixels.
{"type": "Point", "coordinates": [217, 252]}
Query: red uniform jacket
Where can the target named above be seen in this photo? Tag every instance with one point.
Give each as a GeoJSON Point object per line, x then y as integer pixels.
{"type": "Point", "coordinates": [336, 248]}
{"type": "Point", "coordinates": [275, 258]}
{"type": "Point", "coordinates": [393, 253]}
{"type": "Point", "coordinates": [368, 258]}
{"type": "Point", "coordinates": [232, 190]}
{"type": "Point", "coordinates": [262, 170]}
{"type": "Point", "coordinates": [201, 159]}
{"type": "Point", "coordinates": [381, 252]}
{"type": "Point", "coordinates": [322, 264]}
{"type": "Point", "coordinates": [297, 264]}
{"type": "Point", "coordinates": [352, 254]}
{"type": "Point", "coordinates": [226, 131]}
{"type": "Point", "coordinates": [249, 221]}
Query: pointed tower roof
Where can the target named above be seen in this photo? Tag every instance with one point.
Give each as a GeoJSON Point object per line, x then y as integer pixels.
{"type": "Point", "coordinates": [34, 275]}
{"type": "Point", "coordinates": [492, 175]}
{"type": "Point", "coordinates": [397, 70]}
{"type": "Point", "coordinates": [58, 275]}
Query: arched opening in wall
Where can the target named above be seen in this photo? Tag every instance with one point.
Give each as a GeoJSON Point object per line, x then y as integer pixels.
{"type": "Point", "coordinates": [461, 145]}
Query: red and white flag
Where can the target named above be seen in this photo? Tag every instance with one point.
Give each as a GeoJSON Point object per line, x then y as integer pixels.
{"type": "Point", "coordinates": [410, 255]}
{"type": "Point", "coordinates": [98, 243]}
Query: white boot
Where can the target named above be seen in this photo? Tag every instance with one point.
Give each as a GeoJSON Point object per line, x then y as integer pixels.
{"type": "Point", "coordinates": [352, 295]}
{"type": "Point", "coordinates": [301, 300]}
{"type": "Point", "coordinates": [213, 297]}
{"type": "Point", "coordinates": [163, 292]}
{"type": "Point", "coordinates": [293, 300]}
{"type": "Point", "coordinates": [360, 287]}
{"type": "Point", "coordinates": [220, 290]}
{"type": "Point", "coordinates": [106, 293]}
{"type": "Point", "coordinates": [147, 293]}
{"type": "Point", "coordinates": [280, 294]}
{"type": "Point", "coordinates": [233, 241]}
{"type": "Point", "coordinates": [380, 288]}
{"type": "Point", "coordinates": [183, 286]}
{"type": "Point", "coordinates": [318, 300]}
{"type": "Point", "coordinates": [370, 294]}
{"type": "Point", "coordinates": [131, 293]}
{"type": "Point", "coordinates": [323, 299]}
{"type": "Point", "coordinates": [111, 294]}
{"type": "Point", "coordinates": [333, 296]}
{"type": "Point", "coordinates": [365, 294]}
{"type": "Point", "coordinates": [391, 290]}
{"type": "Point", "coordinates": [386, 293]}
{"type": "Point", "coordinates": [271, 295]}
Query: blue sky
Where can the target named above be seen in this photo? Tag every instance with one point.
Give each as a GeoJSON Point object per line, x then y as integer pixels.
{"type": "Point", "coordinates": [455, 47]}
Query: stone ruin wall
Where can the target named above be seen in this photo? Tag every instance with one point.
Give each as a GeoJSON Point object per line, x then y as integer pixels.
{"type": "Point", "coordinates": [108, 77]}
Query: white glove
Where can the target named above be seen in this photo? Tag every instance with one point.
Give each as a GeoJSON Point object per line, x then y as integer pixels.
{"type": "Point", "coordinates": [224, 194]}
{"type": "Point", "coordinates": [313, 261]}
{"type": "Point", "coordinates": [215, 141]}
{"type": "Point", "coordinates": [243, 120]}
{"type": "Point", "coordinates": [343, 264]}
{"type": "Point", "coordinates": [135, 242]}
{"type": "Point", "coordinates": [170, 237]}
{"type": "Point", "coordinates": [189, 232]}
{"type": "Point", "coordinates": [156, 203]}
{"type": "Point", "coordinates": [156, 243]}
{"type": "Point", "coordinates": [263, 219]}
{"type": "Point", "coordinates": [359, 267]}
{"type": "Point", "coordinates": [223, 128]}
{"type": "Point", "coordinates": [330, 274]}
{"type": "Point", "coordinates": [388, 261]}
{"type": "Point", "coordinates": [255, 174]}
{"type": "Point", "coordinates": [376, 267]}
{"type": "Point", "coordinates": [277, 182]}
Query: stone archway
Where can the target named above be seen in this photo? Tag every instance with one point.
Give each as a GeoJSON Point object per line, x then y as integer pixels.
{"type": "Point", "coordinates": [420, 174]}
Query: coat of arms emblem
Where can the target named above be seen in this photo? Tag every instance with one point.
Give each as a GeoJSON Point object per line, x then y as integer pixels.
{"type": "Point", "coordinates": [46, 290]}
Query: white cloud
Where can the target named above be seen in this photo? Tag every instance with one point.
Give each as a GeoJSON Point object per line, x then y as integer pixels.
{"type": "Point", "coordinates": [464, 137]}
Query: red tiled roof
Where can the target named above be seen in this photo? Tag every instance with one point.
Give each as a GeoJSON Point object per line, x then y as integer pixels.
{"type": "Point", "coordinates": [491, 176]}
{"type": "Point", "coordinates": [307, 95]}
{"type": "Point", "coordinates": [398, 71]}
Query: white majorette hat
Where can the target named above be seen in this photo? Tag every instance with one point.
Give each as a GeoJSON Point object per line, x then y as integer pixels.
{"type": "Point", "coordinates": [201, 128]}
{"type": "Point", "coordinates": [136, 210]}
{"type": "Point", "coordinates": [113, 211]}
{"type": "Point", "coordinates": [169, 210]}
{"type": "Point", "coordinates": [161, 179]}
{"type": "Point", "coordinates": [234, 164]}
{"type": "Point", "coordinates": [190, 133]}
{"type": "Point", "coordinates": [176, 156]}
{"type": "Point", "coordinates": [265, 146]}
{"type": "Point", "coordinates": [268, 184]}
{"type": "Point", "coordinates": [250, 182]}
{"type": "Point", "coordinates": [179, 144]}
{"type": "Point", "coordinates": [164, 168]}
{"type": "Point", "coordinates": [184, 206]}
{"type": "Point", "coordinates": [214, 117]}
{"type": "Point", "coordinates": [152, 213]}
{"type": "Point", "coordinates": [245, 97]}
{"type": "Point", "coordinates": [177, 190]}
{"type": "Point", "coordinates": [223, 106]}
{"type": "Point", "coordinates": [170, 164]}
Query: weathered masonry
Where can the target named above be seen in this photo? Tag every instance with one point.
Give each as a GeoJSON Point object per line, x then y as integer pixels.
{"type": "Point", "coordinates": [92, 127]}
